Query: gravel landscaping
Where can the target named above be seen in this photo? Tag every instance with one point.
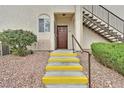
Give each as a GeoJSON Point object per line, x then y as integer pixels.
{"type": "Point", "coordinates": [26, 72]}
{"type": "Point", "coordinates": [101, 76]}
{"type": "Point", "coordinates": [22, 72]}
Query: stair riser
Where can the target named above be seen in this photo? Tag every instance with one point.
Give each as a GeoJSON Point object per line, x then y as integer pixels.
{"type": "Point", "coordinates": [63, 60]}
{"type": "Point", "coordinates": [65, 80]}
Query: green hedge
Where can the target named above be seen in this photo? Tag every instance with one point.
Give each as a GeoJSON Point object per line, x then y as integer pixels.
{"type": "Point", "coordinates": [110, 55]}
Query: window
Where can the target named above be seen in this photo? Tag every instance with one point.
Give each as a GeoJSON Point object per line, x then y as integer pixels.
{"type": "Point", "coordinates": [44, 23]}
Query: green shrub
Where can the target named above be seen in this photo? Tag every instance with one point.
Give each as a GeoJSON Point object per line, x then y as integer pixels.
{"type": "Point", "coordinates": [18, 40]}
{"type": "Point", "coordinates": [110, 55]}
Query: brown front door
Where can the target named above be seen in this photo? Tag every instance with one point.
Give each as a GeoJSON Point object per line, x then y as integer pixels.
{"type": "Point", "coordinates": [62, 37]}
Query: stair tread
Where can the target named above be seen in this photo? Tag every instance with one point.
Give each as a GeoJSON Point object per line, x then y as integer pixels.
{"type": "Point", "coordinates": [86, 14]}
{"type": "Point", "coordinates": [66, 86]}
{"type": "Point", "coordinates": [63, 64]}
{"type": "Point", "coordinates": [63, 59]}
{"type": "Point", "coordinates": [62, 51]}
{"type": "Point", "coordinates": [64, 68]}
{"type": "Point", "coordinates": [65, 77]}
{"type": "Point", "coordinates": [64, 73]}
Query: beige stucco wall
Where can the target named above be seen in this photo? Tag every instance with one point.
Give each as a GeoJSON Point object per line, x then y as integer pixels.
{"type": "Point", "coordinates": [26, 17]}
{"type": "Point", "coordinates": [90, 37]}
{"type": "Point", "coordinates": [78, 26]}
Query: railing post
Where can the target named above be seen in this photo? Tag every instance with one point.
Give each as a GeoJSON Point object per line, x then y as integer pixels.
{"type": "Point", "coordinates": [89, 69]}
{"type": "Point", "coordinates": [108, 20]}
{"type": "Point", "coordinates": [72, 44]}
{"type": "Point", "coordinates": [92, 10]}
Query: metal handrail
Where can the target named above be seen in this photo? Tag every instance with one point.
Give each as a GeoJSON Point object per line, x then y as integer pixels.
{"type": "Point", "coordinates": [111, 13]}
{"type": "Point", "coordinates": [89, 56]}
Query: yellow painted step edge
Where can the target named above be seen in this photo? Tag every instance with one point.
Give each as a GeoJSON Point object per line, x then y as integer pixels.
{"type": "Point", "coordinates": [63, 54]}
{"type": "Point", "coordinates": [65, 80]}
{"type": "Point", "coordinates": [63, 60]}
{"type": "Point", "coordinates": [77, 68]}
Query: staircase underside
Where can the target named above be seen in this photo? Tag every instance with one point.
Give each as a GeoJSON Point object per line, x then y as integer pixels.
{"type": "Point", "coordinates": [101, 28]}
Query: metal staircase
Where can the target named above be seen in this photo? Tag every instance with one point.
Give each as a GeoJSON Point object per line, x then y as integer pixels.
{"type": "Point", "coordinates": [103, 22]}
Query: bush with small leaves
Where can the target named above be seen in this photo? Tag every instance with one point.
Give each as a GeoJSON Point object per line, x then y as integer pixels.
{"type": "Point", "coordinates": [18, 40]}
{"type": "Point", "coordinates": [110, 55]}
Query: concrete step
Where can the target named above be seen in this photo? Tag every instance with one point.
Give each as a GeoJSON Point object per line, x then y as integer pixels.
{"type": "Point", "coordinates": [65, 80]}
{"type": "Point", "coordinates": [64, 73]}
{"type": "Point", "coordinates": [62, 51]}
{"type": "Point", "coordinates": [63, 54]}
{"type": "Point", "coordinates": [66, 86]}
{"type": "Point", "coordinates": [64, 66]}
{"type": "Point", "coordinates": [63, 59]}
{"type": "Point", "coordinates": [77, 68]}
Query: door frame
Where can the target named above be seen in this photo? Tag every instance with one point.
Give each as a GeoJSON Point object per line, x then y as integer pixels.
{"type": "Point", "coordinates": [57, 35]}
